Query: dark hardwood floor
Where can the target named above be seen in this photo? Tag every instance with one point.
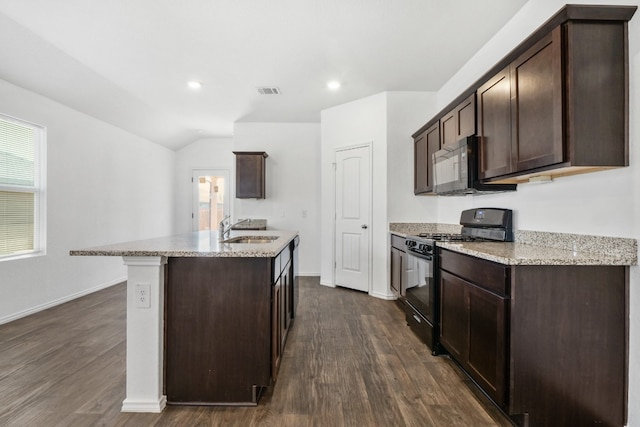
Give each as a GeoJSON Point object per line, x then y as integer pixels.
{"type": "Point", "coordinates": [350, 360]}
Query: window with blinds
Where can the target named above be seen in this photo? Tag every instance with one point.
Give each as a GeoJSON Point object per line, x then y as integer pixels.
{"type": "Point", "coordinates": [21, 183]}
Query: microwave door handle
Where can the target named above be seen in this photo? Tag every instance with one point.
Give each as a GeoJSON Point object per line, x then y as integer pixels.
{"type": "Point", "coordinates": [456, 169]}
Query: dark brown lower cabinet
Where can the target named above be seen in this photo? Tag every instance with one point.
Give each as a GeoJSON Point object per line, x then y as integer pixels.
{"type": "Point", "coordinates": [226, 325]}
{"type": "Point", "coordinates": [548, 344]}
{"type": "Point", "coordinates": [473, 330]}
{"type": "Point", "coordinates": [282, 314]}
{"type": "Point", "coordinates": [276, 322]}
{"type": "Point", "coordinates": [398, 264]}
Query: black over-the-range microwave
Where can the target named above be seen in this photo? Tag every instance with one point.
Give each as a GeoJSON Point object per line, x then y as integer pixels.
{"type": "Point", "coordinates": [455, 170]}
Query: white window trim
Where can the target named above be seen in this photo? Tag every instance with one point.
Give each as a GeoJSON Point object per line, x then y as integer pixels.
{"type": "Point", "coordinates": [39, 188]}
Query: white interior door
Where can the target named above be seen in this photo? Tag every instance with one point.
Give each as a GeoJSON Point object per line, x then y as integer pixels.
{"type": "Point", "coordinates": [353, 217]}
{"type": "Point", "coordinates": [210, 198]}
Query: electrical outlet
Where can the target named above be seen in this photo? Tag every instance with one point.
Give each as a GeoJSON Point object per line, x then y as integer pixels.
{"type": "Point", "coordinates": [143, 299]}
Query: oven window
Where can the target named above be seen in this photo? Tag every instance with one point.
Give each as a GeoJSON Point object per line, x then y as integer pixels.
{"type": "Point", "coordinates": [420, 285]}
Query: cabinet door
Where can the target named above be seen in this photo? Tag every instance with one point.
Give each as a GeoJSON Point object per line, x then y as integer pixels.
{"type": "Point", "coordinates": [536, 108]}
{"type": "Point", "coordinates": [250, 175]}
{"type": "Point", "coordinates": [449, 128]}
{"type": "Point", "coordinates": [486, 358]}
{"type": "Point", "coordinates": [494, 126]}
{"type": "Point", "coordinates": [453, 316]}
{"type": "Point", "coordinates": [459, 122]}
{"type": "Point", "coordinates": [466, 115]}
{"type": "Point", "coordinates": [473, 331]}
{"type": "Point", "coordinates": [425, 145]}
{"type": "Point", "coordinates": [276, 329]}
{"type": "Point", "coordinates": [397, 266]}
{"type": "Point", "coordinates": [287, 287]}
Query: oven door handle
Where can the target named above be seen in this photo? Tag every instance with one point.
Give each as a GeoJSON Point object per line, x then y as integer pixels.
{"type": "Point", "coordinates": [421, 256]}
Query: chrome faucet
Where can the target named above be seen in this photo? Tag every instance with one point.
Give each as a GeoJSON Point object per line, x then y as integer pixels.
{"type": "Point", "coordinates": [222, 231]}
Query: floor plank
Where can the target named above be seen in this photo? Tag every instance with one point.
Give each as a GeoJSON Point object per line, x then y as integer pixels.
{"type": "Point", "coordinates": [350, 360]}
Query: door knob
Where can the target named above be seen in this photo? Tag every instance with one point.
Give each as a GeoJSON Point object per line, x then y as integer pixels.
{"type": "Point", "coordinates": [364, 226]}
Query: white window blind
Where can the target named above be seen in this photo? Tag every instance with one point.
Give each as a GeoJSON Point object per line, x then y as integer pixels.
{"type": "Point", "coordinates": [21, 195]}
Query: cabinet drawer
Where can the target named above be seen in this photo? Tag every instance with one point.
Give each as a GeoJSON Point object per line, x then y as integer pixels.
{"type": "Point", "coordinates": [419, 326]}
{"type": "Point", "coordinates": [487, 274]}
{"type": "Point", "coordinates": [398, 242]}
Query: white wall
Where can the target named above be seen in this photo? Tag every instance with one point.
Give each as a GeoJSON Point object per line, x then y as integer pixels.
{"type": "Point", "coordinates": [104, 186]}
{"type": "Point", "coordinates": [355, 123]}
{"type": "Point", "coordinates": [207, 153]}
{"type": "Point", "coordinates": [386, 121]}
{"type": "Point", "coordinates": [406, 113]}
{"type": "Point", "coordinates": [292, 180]}
{"type": "Point", "coordinates": [601, 203]}
{"type": "Point", "coordinates": [292, 183]}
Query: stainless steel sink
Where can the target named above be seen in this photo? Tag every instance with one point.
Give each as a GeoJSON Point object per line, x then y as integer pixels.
{"type": "Point", "coordinates": [251, 239]}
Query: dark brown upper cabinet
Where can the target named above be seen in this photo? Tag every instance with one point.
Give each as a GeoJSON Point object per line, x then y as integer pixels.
{"type": "Point", "coordinates": [250, 174]}
{"type": "Point", "coordinates": [560, 107]}
{"type": "Point", "coordinates": [494, 125]}
{"type": "Point", "coordinates": [459, 122]}
{"type": "Point", "coordinates": [520, 112]}
{"type": "Point", "coordinates": [425, 144]}
{"type": "Point", "coordinates": [556, 105]}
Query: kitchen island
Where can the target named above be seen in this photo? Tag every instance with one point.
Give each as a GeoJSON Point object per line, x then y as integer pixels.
{"type": "Point", "coordinates": [206, 320]}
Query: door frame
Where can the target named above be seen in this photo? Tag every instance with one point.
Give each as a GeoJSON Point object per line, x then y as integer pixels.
{"type": "Point", "coordinates": [194, 192]}
{"type": "Point", "coordinates": [369, 146]}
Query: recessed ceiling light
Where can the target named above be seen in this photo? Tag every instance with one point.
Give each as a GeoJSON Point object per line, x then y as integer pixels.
{"type": "Point", "coordinates": [194, 84]}
{"type": "Point", "coordinates": [333, 85]}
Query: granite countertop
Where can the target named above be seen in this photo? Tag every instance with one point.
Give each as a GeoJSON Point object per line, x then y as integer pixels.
{"type": "Point", "coordinates": [250, 224]}
{"type": "Point", "coordinates": [522, 254]}
{"type": "Point", "coordinates": [196, 244]}
{"type": "Point", "coordinates": [536, 247]}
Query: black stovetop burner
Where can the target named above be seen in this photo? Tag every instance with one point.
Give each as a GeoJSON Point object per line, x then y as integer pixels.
{"type": "Point", "coordinates": [478, 225]}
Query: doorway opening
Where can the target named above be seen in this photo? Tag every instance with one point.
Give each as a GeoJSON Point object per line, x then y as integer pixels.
{"type": "Point", "coordinates": [210, 198]}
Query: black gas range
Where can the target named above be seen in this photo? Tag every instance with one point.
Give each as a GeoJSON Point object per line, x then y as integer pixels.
{"type": "Point", "coordinates": [421, 292]}
{"type": "Point", "coordinates": [478, 225]}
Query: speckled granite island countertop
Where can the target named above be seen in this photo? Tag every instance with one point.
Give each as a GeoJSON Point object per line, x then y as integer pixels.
{"type": "Point", "coordinates": [536, 247]}
{"type": "Point", "coordinates": [196, 244]}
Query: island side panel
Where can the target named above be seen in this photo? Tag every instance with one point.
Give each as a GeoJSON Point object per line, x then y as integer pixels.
{"type": "Point", "coordinates": [218, 329]}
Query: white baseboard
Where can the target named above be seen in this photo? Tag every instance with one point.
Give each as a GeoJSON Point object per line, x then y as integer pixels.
{"type": "Point", "coordinates": [328, 284]}
{"type": "Point", "coordinates": [41, 307]}
{"type": "Point", "coordinates": [130, 405]}
{"type": "Point", "coordinates": [383, 296]}
{"type": "Point", "coordinates": [309, 274]}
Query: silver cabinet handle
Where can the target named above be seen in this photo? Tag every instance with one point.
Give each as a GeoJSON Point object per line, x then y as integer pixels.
{"type": "Point", "coordinates": [364, 226]}
{"type": "Point", "coordinates": [417, 318]}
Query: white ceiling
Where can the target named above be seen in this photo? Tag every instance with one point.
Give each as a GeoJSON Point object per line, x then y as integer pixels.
{"type": "Point", "coordinates": [127, 62]}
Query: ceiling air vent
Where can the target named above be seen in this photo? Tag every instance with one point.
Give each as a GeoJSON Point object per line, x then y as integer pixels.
{"type": "Point", "coordinates": [269, 91]}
